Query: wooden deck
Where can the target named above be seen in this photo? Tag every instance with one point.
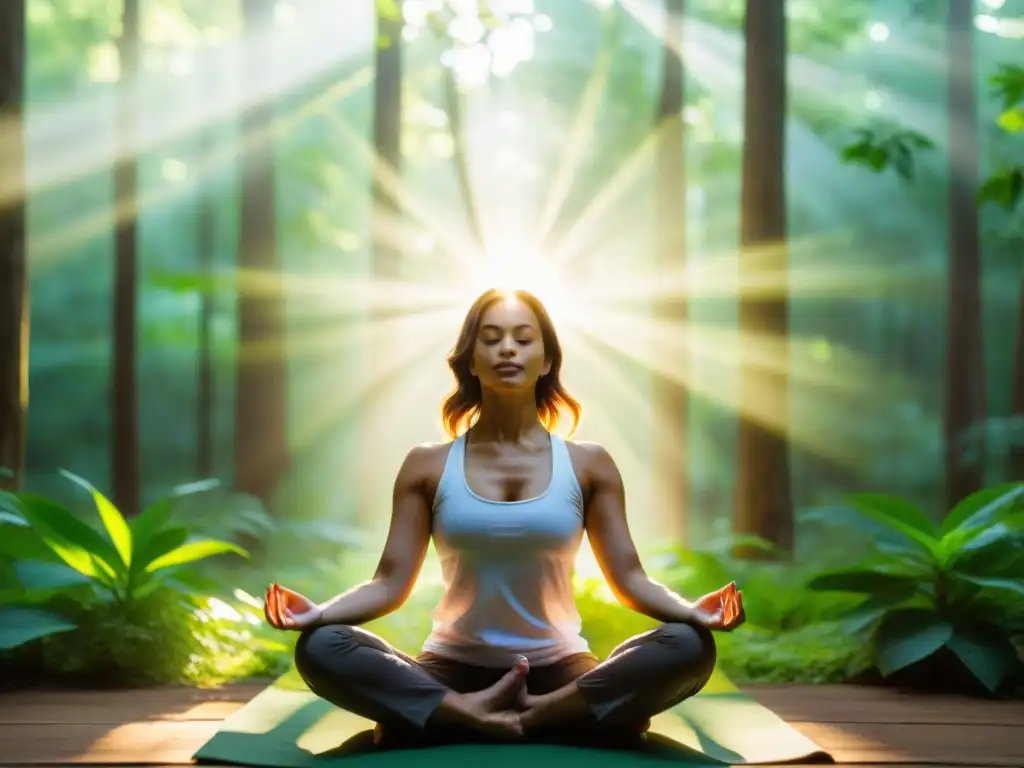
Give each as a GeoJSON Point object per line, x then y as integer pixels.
{"type": "Point", "coordinates": [858, 725]}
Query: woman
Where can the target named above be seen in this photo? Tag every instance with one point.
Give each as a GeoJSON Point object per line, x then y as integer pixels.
{"type": "Point", "coordinates": [507, 503]}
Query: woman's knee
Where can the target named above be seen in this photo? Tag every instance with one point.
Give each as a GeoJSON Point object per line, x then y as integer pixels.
{"type": "Point", "coordinates": [319, 648]}
{"type": "Point", "coordinates": [695, 650]}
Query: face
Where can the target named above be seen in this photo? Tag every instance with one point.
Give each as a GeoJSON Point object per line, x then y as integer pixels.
{"type": "Point", "coordinates": [509, 349]}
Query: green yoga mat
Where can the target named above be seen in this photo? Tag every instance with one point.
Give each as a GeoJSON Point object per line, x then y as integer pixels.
{"type": "Point", "coordinates": [286, 726]}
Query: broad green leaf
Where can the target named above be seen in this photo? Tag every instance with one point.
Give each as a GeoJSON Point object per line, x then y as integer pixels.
{"type": "Point", "coordinates": [899, 515]}
{"type": "Point", "coordinates": [84, 562]}
{"type": "Point", "coordinates": [158, 545]}
{"type": "Point", "coordinates": [151, 521]}
{"type": "Point", "coordinates": [192, 551]}
{"type": "Point", "coordinates": [863, 580]}
{"type": "Point", "coordinates": [10, 514]}
{"type": "Point", "coordinates": [984, 507]}
{"type": "Point", "coordinates": [56, 523]}
{"type": "Point", "coordinates": [8, 576]}
{"type": "Point", "coordinates": [1007, 585]}
{"type": "Point", "coordinates": [871, 610]}
{"type": "Point", "coordinates": [908, 636]}
{"type": "Point", "coordinates": [24, 543]}
{"type": "Point", "coordinates": [19, 625]}
{"type": "Point", "coordinates": [996, 551]}
{"type": "Point", "coordinates": [117, 527]}
{"type": "Point", "coordinates": [989, 656]}
{"type": "Point", "coordinates": [34, 575]}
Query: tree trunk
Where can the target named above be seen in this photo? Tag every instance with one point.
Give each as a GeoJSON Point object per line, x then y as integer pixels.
{"type": "Point", "coordinates": [125, 405]}
{"type": "Point", "coordinates": [387, 139]}
{"type": "Point", "coordinates": [670, 396]}
{"type": "Point", "coordinates": [1017, 395]}
{"type": "Point", "coordinates": [387, 169]}
{"type": "Point", "coordinates": [261, 448]}
{"type": "Point", "coordinates": [763, 495]}
{"type": "Point", "coordinates": [206, 242]}
{"type": "Point", "coordinates": [14, 299]}
{"type": "Point", "coordinates": [965, 366]}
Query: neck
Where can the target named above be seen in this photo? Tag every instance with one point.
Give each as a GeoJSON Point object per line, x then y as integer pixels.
{"type": "Point", "coordinates": [508, 418]}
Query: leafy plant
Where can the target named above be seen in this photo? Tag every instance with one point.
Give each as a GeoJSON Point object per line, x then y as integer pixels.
{"type": "Point", "coordinates": [817, 653]}
{"type": "Point", "coordinates": [932, 588]}
{"type": "Point", "coordinates": [47, 547]}
{"type": "Point", "coordinates": [886, 146]}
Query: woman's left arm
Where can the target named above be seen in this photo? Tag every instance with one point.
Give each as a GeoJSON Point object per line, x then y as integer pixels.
{"type": "Point", "coordinates": [615, 551]}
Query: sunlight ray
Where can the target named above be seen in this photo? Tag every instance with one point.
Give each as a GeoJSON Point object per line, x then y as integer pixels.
{"type": "Point", "coordinates": [99, 220]}
{"type": "Point", "coordinates": [727, 348]}
{"type": "Point", "coordinates": [337, 395]}
{"type": "Point", "coordinates": [450, 233]}
{"type": "Point", "coordinates": [161, 117]}
{"type": "Point", "coordinates": [578, 142]}
{"type": "Point", "coordinates": [611, 194]}
{"type": "Point", "coordinates": [376, 334]}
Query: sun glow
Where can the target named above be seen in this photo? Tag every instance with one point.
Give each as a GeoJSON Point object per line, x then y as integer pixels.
{"type": "Point", "coordinates": [528, 270]}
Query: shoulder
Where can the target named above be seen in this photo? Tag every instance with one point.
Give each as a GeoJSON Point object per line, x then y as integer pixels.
{"type": "Point", "coordinates": [424, 464]}
{"type": "Point", "coordinates": [593, 462]}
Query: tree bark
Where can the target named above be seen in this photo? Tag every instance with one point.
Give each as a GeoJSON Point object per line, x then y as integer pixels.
{"type": "Point", "coordinates": [14, 304]}
{"type": "Point", "coordinates": [125, 397]}
{"type": "Point", "coordinates": [206, 241]}
{"type": "Point", "coordinates": [1017, 395]}
{"type": "Point", "coordinates": [385, 265]}
{"type": "Point", "coordinates": [261, 439]}
{"type": "Point", "coordinates": [965, 365]}
{"type": "Point", "coordinates": [763, 493]}
{"type": "Point", "coordinates": [670, 395]}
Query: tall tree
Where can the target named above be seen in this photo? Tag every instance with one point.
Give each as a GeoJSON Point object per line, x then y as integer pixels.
{"type": "Point", "coordinates": [670, 397]}
{"type": "Point", "coordinates": [261, 449]}
{"type": "Point", "coordinates": [387, 170]}
{"type": "Point", "coordinates": [206, 244]}
{"type": "Point", "coordinates": [965, 371]}
{"type": "Point", "coordinates": [125, 398]}
{"type": "Point", "coordinates": [387, 133]}
{"type": "Point", "coordinates": [1017, 391]}
{"type": "Point", "coordinates": [14, 291]}
{"type": "Point", "coordinates": [763, 495]}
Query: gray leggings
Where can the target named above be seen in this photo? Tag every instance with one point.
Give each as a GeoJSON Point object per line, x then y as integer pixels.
{"type": "Point", "coordinates": [360, 672]}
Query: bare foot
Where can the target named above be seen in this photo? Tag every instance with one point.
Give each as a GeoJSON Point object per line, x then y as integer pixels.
{"type": "Point", "coordinates": [510, 689]}
{"type": "Point", "coordinates": [489, 710]}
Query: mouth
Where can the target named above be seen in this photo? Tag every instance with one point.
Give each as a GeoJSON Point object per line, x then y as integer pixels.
{"type": "Point", "coordinates": [508, 368]}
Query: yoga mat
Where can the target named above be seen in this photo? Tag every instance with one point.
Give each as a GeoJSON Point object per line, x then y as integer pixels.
{"type": "Point", "coordinates": [286, 726]}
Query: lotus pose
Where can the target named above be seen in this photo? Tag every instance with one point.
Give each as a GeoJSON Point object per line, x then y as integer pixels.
{"type": "Point", "coordinates": [507, 503]}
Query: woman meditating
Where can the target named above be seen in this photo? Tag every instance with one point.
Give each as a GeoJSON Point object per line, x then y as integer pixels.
{"type": "Point", "coordinates": [507, 503]}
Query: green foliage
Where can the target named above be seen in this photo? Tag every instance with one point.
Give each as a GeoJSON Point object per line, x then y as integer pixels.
{"type": "Point", "coordinates": [1003, 188]}
{"type": "Point", "coordinates": [162, 638]}
{"type": "Point", "coordinates": [1008, 85]}
{"type": "Point", "coordinates": [931, 587]}
{"type": "Point", "coordinates": [813, 27]}
{"type": "Point", "coordinates": [817, 653]}
{"type": "Point", "coordinates": [124, 561]}
{"type": "Point", "coordinates": [121, 603]}
{"type": "Point", "coordinates": [886, 146]}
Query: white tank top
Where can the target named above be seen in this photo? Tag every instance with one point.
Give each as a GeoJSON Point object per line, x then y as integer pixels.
{"type": "Point", "coordinates": [507, 568]}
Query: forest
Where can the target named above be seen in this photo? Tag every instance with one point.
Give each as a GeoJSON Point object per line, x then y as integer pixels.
{"type": "Point", "coordinates": [782, 240]}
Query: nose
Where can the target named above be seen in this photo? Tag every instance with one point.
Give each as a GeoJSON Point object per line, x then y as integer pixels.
{"type": "Point", "coordinates": [507, 348]}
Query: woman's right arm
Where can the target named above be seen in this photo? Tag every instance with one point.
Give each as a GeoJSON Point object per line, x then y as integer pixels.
{"type": "Point", "coordinates": [404, 550]}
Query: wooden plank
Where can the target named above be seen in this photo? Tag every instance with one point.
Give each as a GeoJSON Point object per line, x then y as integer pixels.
{"type": "Point", "coordinates": [116, 707]}
{"type": "Point", "coordinates": [863, 704]}
{"type": "Point", "coordinates": [897, 742]}
{"type": "Point", "coordinates": [171, 742]}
